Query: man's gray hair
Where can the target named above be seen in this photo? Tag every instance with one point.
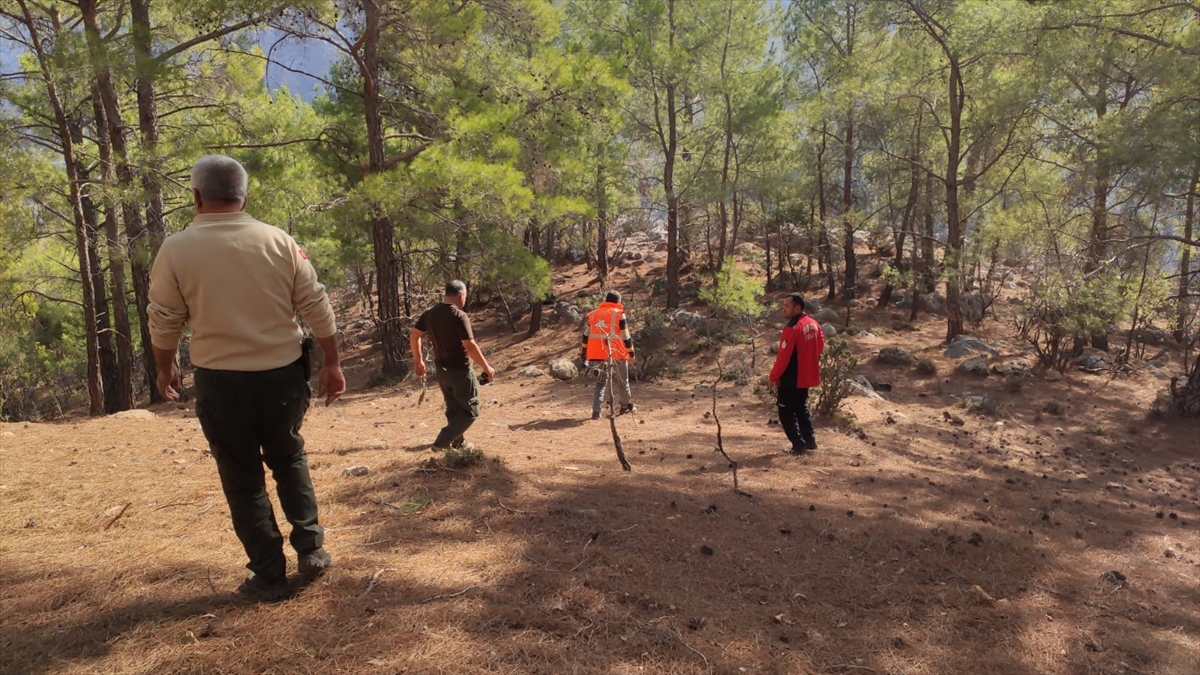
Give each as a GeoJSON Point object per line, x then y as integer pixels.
{"type": "Point", "coordinates": [456, 287]}
{"type": "Point", "coordinates": [220, 179]}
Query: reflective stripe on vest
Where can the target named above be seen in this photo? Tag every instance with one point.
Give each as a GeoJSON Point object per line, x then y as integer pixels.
{"type": "Point", "coordinates": [603, 334]}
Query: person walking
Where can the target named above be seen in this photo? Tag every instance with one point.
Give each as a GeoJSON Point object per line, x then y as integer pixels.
{"type": "Point", "coordinates": [454, 348]}
{"type": "Point", "coordinates": [797, 369]}
{"type": "Point", "coordinates": [238, 284]}
{"type": "Point", "coordinates": [607, 351]}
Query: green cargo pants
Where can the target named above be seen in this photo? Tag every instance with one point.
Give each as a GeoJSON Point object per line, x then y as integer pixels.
{"type": "Point", "coordinates": [460, 389]}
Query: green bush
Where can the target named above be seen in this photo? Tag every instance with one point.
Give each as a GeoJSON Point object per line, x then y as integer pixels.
{"type": "Point", "coordinates": [651, 332]}
{"type": "Point", "coordinates": [837, 364]}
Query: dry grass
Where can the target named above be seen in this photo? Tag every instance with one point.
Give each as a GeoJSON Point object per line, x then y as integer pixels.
{"type": "Point", "coordinates": [547, 558]}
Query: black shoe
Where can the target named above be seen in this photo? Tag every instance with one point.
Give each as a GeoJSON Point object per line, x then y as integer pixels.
{"type": "Point", "coordinates": [595, 415]}
{"type": "Point", "coordinates": [627, 408]}
{"type": "Point", "coordinates": [811, 444]}
{"type": "Point", "coordinates": [464, 446]}
{"type": "Point", "coordinates": [258, 589]}
{"type": "Point", "coordinates": [314, 563]}
{"type": "Point", "coordinates": [793, 451]}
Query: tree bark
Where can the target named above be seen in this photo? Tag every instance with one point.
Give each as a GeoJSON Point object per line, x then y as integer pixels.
{"type": "Point", "coordinates": [601, 218]}
{"type": "Point", "coordinates": [672, 147]}
{"type": "Point", "coordinates": [141, 248]}
{"type": "Point", "coordinates": [104, 342]}
{"type": "Point", "coordinates": [122, 393]}
{"type": "Point", "coordinates": [850, 281]}
{"type": "Point", "coordinates": [954, 239]}
{"type": "Point", "coordinates": [824, 248]}
{"type": "Point", "coordinates": [1185, 257]}
{"type": "Point", "coordinates": [95, 392]}
{"type": "Point", "coordinates": [382, 234]}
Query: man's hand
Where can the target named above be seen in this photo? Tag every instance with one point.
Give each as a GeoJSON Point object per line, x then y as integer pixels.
{"type": "Point", "coordinates": [491, 372]}
{"type": "Point", "coordinates": [332, 384]}
{"type": "Point", "coordinates": [419, 368]}
{"type": "Point", "coordinates": [168, 382]}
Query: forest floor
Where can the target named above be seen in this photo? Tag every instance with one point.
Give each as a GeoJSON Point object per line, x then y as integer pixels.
{"type": "Point", "coordinates": [934, 541]}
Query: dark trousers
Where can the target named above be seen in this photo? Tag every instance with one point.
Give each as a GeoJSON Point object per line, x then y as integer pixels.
{"type": "Point", "coordinates": [460, 389]}
{"type": "Point", "coordinates": [250, 419]}
{"type": "Point", "coordinates": [794, 416]}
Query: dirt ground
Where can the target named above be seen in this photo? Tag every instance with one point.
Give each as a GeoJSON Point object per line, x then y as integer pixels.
{"type": "Point", "coordinates": [1025, 542]}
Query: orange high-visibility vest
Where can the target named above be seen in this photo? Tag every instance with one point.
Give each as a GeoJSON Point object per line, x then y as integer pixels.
{"type": "Point", "coordinates": [604, 331]}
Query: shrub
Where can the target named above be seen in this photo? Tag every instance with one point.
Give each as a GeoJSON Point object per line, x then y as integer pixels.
{"type": "Point", "coordinates": [1054, 408]}
{"type": "Point", "coordinates": [837, 364]}
{"type": "Point", "coordinates": [651, 340]}
{"type": "Point", "coordinates": [926, 367]}
{"type": "Point", "coordinates": [458, 458]}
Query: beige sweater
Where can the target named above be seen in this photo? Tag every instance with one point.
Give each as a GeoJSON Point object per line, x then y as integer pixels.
{"type": "Point", "coordinates": [238, 284]}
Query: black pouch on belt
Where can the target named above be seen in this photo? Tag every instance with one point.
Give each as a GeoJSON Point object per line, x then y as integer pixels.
{"type": "Point", "coordinates": [306, 349]}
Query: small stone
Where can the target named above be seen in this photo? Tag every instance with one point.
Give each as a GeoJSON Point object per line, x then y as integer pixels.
{"type": "Point", "coordinates": [356, 471]}
{"type": "Point", "coordinates": [706, 550]}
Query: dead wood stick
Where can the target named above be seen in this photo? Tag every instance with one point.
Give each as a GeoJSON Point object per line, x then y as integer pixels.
{"type": "Point", "coordinates": [449, 595]}
{"type": "Point", "coordinates": [612, 410]}
{"type": "Point", "coordinates": [720, 443]}
{"type": "Point", "coordinates": [119, 514]}
{"type": "Point", "coordinates": [375, 580]}
{"type": "Point", "coordinates": [506, 508]}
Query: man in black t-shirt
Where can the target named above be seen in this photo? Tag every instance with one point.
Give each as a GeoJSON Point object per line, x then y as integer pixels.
{"type": "Point", "coordinates": [454, 347]}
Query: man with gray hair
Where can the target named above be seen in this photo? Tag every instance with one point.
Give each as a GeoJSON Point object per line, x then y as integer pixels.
{"type": "Point", "coordinates": [238, 284]}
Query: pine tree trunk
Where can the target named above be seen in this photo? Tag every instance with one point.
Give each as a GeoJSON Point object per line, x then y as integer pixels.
{"type": "Point", "coordinates": [954, 240]}
{"type": "Point", "coordinates": [141, 248]}
{"type": "Point", "coordinates": [382, 235]}
{"type": "Point", "coordinates": [1185, 258]}
{"type": "Point", "coordinates": [850, 282]}
{"type": "Point", "coordinates": [70, 164]}
{"type": "Point", "coordinates": [122, 391]}
{"type": "Point", "coordinates": [671, 148]}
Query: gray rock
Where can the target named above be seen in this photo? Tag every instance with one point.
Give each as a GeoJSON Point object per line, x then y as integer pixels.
{"type": "Point", "coordinates": [826, 315]}
{"type": "Point", "coordinates": [530, 371]}
{"type": "Point", "coordinates": [872, 302]}
{"type": "Point", "coordinates": [934, 303]}
{"type": "Point", "coordinates": [690, 320]}
{"type": "Point", "coordinates": [859, 389]}
{"type": "Point", "coordinates": [812, 305]}
{"type": "Point", "coordinates": [964, 345]}
{"type": "Point", "coordinates": [1091, 359]}
{"type": "Point", "coordinates": [829, 330]}
{"type": "Point", "coordinates": [855, 304]}
{"type": "Point", "coordinates": [976, 365]}
{"type": "Point", "coordinates": [896, 356]}
{"type": "Point", "coordinates": [972, 306]}
{"type": "Point", "coordinates": [563, 369]}
{"type": "Point", "coordinates": [356, 471]}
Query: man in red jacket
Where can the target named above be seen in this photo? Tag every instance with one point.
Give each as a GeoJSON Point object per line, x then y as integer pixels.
{"type": "Point", "coordinates": [798, 369]}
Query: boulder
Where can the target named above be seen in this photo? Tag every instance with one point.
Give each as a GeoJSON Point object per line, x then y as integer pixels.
{"type": "Point", "coordinates": [972, 306]}
{"type": "Point", "coordinates": [965, 345]}
{"type": "Point", "coordinates": [862, 388]}
{"type": "Point", "coordinates": [933, 303]}
{"type": "Point", "coordinates": [829, 330]}
{"type": "Point", "coordinates": [563, 369]}
{"type": "Point", "coordinates": [530, 371]}
{"type": "Point", "coordinates": [826, 315]}
{"type": "Point", "coordinates": [896, 356]}
{"type": "Point", "coordinates": [1091, 359]}
{"type": "Point", "coordinates": [976, 365]}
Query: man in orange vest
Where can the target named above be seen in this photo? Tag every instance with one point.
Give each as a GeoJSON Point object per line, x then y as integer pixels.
{"type": "Point", "coordinates": [606, 341]}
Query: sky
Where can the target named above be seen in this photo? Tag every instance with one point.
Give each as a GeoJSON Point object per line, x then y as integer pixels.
{"type": "Point", "coordinates": [310, 56]}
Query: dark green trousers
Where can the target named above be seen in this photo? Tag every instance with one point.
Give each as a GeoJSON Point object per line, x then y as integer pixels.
{"type": "Point", "coordinates": [251, 419]}
{"type": "Point", "coordinates": [460, 389]}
